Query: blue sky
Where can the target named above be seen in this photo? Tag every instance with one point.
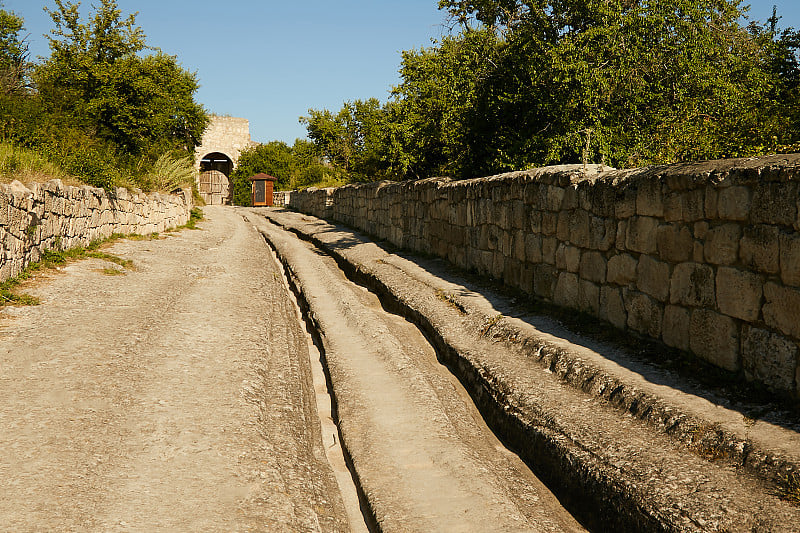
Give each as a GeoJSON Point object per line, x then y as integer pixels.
{"type": "Point", "coordinates": [270, 61]}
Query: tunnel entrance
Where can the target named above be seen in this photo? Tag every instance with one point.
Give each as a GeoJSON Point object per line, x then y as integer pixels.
{"type": "Point", "coordinates": [215, 186]}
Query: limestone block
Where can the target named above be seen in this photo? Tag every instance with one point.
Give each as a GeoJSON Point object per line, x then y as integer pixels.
{"type": "Point", "coordinates": [652, 278]}
{"type": "Point", "coordinates": [649, 198]}
{"type": "Point", "coordinates": [498, 265]}
{"type": "Point", "coordinates": [733, 203]}
{"type": "Point", "coordinates": [626, 202]}
{"type": "Point", "coordinates": [676, 327]}
{"type": "Point", "coordinates": [715, 338]}
{"type": "Point", "coordinates": [684, 206]}
{"type": "Point", "coordinates": [645, 314]}
{"type": "Point", "coordinates": [602, 234]}
{"type": "Point", "coordinates": [722, 244]}
{"type": "Point", "coordinates": [561, 256]}
{"type": "Point", "coordinates": [700, 229]}
{"type": "Point", "coordinates": [518, 246]}
{"type": "Point", "coordinates": [782, 309]}
{"type": "Point", "coordinates": [549, 245]}
{"type": "Point", "coordinates": [552, 197]}
{"type": "Point", "coordinates": [622, 269]}
{"type": "Point", "coordinates": [567, 290]}
{"type": "Point", "coordinates": [536, 221]}
{"type": "Point", "coordinates": [612, 307]}
{"type": "Point", "coordinates": [769, 358]}
{"type": "Point", "coordinates": [692, 284]}
{"type": "Point", "coordinates": [759, 248]}
{"type": "Point", "coordinates": [621, 234]}
{"type": "Point", "coordinates": [593, 266]}
{"type": "Point", "coordinates": [641, 235]}
{"type": "Point", "coordinates": [589, 297]}
{"type": "Point", "coordinates": [518, 215]}
{"type": "Point", "coordinates": [674, 242]}
{"type": "Point", "coordinates": [544, 279]}
{"type": "Point", "coordinates": [572, 256]}
{"type": "Point", "coordinates": [563, 228]}
{"type": "Point", "coordinates": [533, 248]}
{"type": "Point", "coordinates": [774, 203]}
{"type": "Point", "coordinates": [549, 223]}
{"type": "Point", "coordinates": [739, 293]}
{"type": "Point", "coordinates": [579, 227]}
{"type": "Point", "coordinates": [790, 258]}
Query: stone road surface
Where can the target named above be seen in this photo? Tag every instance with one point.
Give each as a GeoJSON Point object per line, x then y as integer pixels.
{"type": "Point", "coordinates": [175, 397]}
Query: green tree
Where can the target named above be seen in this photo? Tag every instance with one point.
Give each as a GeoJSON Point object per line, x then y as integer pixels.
{"type": "Point", "coordinates": [13, 53]}
{"type": "Point", "coordinates": [142, 105]}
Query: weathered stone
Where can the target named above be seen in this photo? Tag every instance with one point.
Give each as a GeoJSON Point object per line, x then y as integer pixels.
{"type": "Point", "coordinates": [674, 242]}
{"type": "Point", "coordinates": [759, 248]}
{"type": "Point", "coordinates": [579, 226]}
{"type": "Point", "coordinates": [612, 308]}
{"type": "Point", "coordinates": [602, 234]}
{"type": "Point", "coordinates": [676, 327]}
{"type": "Point", "coordinates": [739, 293]}
{"type": "Point", "coordinates": [533, 248]}
{"type": "Point", "coordinates": [621, 234]}
{"type": "Point", "coordinates": [769, 358]}
{"type": "Point", "coordinates": [692, 284]}
{"type": "Point", "coordinates": [649, 198]}
{"type": "Point", "coordinates": [715, 338]}
{"type": "Point", "coordinates": [549, 245]}
{"type": "Point", "coordinates": [644, 313]}
{"type": "Point", "coordinates": [544, 279]}
{"type": "Point", "coordinates": [641, 234]}
{"type": "Point", "coordinates": [652, 278]}
{"type": "Point", "coordinates": [700, 229]}
{"type": "Point", "coordinates": [593, 267]}
{"type": "Point", "coordinates": [722, 244]}
{"type": "Point", "coordinates": [626, 202]}
{"type": "Point", "coordinates": [589, 297]}
{"type": "Point", "coordinates": [774, 203]}
{"type": "Point", "coordinates": [549, 223]}
{"type": "Point", "coordinates": [567, 290]}
{"type": "Point", "coordinates": [790, 258]}
{"type": "Point", "coordinates": [684, 206]}
{"type": "Point", "coordinates": [518, 246]}
{"type": "Point", "coordinates": [734, 203]}
{"type": "Point", "coordinates": [622, 269]}
{"type": "Point", "coordinates": [782, 309]}
{"type": "Point", "coordinates": [562, 230]}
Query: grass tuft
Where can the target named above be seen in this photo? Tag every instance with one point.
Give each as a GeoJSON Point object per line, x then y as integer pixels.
{"type": "Point", "coordinates": [789, 488]}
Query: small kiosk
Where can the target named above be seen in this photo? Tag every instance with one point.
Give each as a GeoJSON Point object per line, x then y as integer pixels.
{"type": "Point", "coordinates": [263, 185]}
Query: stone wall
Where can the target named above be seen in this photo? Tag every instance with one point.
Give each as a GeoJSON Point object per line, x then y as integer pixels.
{"type": "Point", "coordinates": [51, 215]}
{"type": "Point", "coordinates": [704, 257]}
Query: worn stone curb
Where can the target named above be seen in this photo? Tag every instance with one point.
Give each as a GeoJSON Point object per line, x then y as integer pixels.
{"type": "Point", "coordinates": [702, 437]}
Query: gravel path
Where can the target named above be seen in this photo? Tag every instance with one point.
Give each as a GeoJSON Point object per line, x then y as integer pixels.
{"type": "Point", "coordinates": [175, 397]}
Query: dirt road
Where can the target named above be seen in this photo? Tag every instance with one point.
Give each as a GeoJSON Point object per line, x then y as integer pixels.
{"type": "Point", "coordinates": [175, 397]}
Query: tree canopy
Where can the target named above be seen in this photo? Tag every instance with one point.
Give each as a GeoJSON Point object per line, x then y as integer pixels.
{"type": "Point", "coordinates": [103, 103]}
{"type": "Point", "coordinates": [527, 83]}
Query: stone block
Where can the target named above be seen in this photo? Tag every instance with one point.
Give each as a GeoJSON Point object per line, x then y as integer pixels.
{"type": "Point", "coordinates": [684, 206]}
{"type": "Point", "coordinates": [790, 258]}
{"type": "Point", "coordinates": [621, 234]}
{"type": "Point", "coordinates": [774, 203]}
{"type": "Point", "coordinates": [549, 223]}
{"type": "Point", "coordinates": [561, 257]}
{"type": "Point", "coordinates": [589, 297]}
{"type": "Point", "coordinates": [644, 313]}
{"type": "Point", "coordinates": [692, 284]}
{"type": "Point", "coordinates": [567, 290]}
{"type": "Point", "coordinates": [533, 248]}
{"type": "Point", "coordinates": [593, 267]}
{"type": "Point", "coordinates": [769, 358]}
{"type": "Point", "coordinates": [641, 235]}
{"type": "Point", "coordinates": [782, 309]}
{"type": "Point", "coordinates": [739, 293]}
{"type": "Point", "coordinates": [544, 279]}
{"type": "Point", "coordinates": [536, 221]}
{"type": "Point", "coordinates": [518, 245]}
{"type": "Point", "coordinates": [733, 203]}
{"type": "Point", "coordinates": [674, 242]}
{"type": "Point", "coordinates": [715, 338]}
{"type": "Point", "coordinates": [572, 256]}
{"type": "Point", "coordinates": [579, 227]}
{"type": "Point", "coordinates": [622, 269]}
{"type": "Point", "coordinates": [649, 198]}
{"type": "Point", "coordinates": [549, 245]}
{"type": "Point", "coordinates": [602, 234]}
{"type": "Point", "coordinates": [710, 205]}
{"type": "Point", "coordinates": [626, 202]}
{"type": "Point", "coordinates": [759, 248]}
{"type": "Point", "coordinates": [612, 308]}
{"type": "Point", "coordinates": [676, 327]}
{"type": "Point", "coordinates": [563, 228]}
{"type": "Point", "coordinates": [652, 278]}
{"type": "Point", "coordinates": [722, 244]}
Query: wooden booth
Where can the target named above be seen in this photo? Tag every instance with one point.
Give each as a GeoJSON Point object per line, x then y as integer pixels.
{"type": "Point", "coordinates": [263, 185]}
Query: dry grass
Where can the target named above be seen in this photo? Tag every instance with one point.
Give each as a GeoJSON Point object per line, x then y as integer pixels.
{"type": "Point", "coordinates": [29, 167]}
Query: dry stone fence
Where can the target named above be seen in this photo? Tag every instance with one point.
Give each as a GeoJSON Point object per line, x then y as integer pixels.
{"type": "Point", "coordinates": [51, 215]}
{"type": "Point", "coordinates": [704, 257]}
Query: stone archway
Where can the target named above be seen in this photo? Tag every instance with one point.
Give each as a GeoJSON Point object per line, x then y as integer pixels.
{"type": "Point", "coordinates": [214, 181]}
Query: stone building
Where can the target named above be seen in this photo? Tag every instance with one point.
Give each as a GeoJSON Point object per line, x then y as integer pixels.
{"type": "Point", "coordinates": [217, 156]}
